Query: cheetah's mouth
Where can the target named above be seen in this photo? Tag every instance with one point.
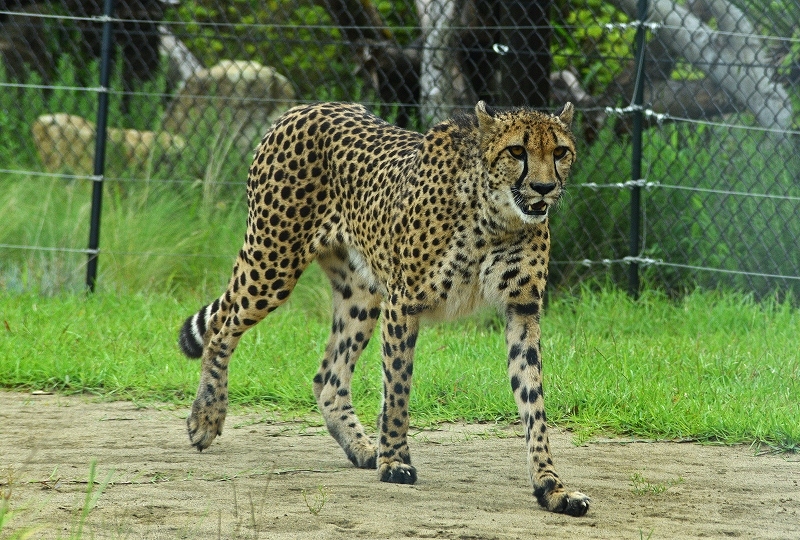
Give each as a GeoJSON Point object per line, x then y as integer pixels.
{"type": "Point", "coordinates": [533, 209]}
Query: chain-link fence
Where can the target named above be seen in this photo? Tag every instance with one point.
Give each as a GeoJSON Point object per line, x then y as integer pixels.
{"type": "Point", "coordinates": [688, 128]}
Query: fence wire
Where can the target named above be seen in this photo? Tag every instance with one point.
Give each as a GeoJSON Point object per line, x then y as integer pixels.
{"type": "Point", "coordinates": [195, 84]}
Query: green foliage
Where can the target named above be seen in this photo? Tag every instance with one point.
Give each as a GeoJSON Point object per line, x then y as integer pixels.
{"type": "Point", "coordinates": [147, 217]}
{"type": "Point", "coordinates": [93, 494]}
{"type": "Point", "coordinates": [592, 223]}
{"type": "Point", "coordinates": [727, 224]}
{"type": "Point", "coordinates": [777, 17]}
{"type": "Point", "coordinates": [697, 368]}
{"type": "Point", "coordinates": [584, 42]}
{"type": "Point", "coordinates": [17, 120]}
{"type": "Point", "coordinates": [722, 199]}
{"type": "Point", "coordinates": [94, 490]}
{"type": "Point", "coordinates": [297, 38]}
{"type": "Point", "coordinates": [18, 151]}
{"type": "Point", "coordinates": [316, 502]}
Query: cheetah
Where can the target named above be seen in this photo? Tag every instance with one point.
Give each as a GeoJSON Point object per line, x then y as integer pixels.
{"type": "Point", "coordinates": [405, 226]}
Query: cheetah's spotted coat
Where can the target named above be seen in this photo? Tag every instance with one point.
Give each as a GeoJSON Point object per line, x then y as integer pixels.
{"type": "Point", "coordinates": [405, 225]}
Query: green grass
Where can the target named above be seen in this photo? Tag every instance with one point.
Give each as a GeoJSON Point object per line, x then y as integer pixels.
{"type": "Point", "coordinates": [710, 367]}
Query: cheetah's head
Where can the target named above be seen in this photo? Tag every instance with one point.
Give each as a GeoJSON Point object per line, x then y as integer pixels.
{"type": "Point", "coordinates": [528, 155]}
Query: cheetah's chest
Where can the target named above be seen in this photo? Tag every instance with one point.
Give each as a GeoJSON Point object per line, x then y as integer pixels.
{"type": "Point", "coordinates": [462, 300]}
{"type": "Point", "coordinates": [455, 289]}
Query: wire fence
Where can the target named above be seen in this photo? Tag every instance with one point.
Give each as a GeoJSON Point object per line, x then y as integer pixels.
{"type": "Point", "coordinates": [149, 110]}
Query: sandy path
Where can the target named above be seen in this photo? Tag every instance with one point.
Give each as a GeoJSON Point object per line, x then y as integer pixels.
{"type": "Point", "coordinates": [273, 474]}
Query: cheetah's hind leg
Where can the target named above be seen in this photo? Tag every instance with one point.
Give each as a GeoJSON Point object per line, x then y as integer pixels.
{"type": "Point", "coordinates": [240, 308]}
{"type": "Point", "coordinates": [356, 306]}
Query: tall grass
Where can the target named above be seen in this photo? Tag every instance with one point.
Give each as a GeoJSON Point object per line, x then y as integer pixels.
{"type": "Point", "coordinates": [152, 238]}
{"type": "Point", "coordinates": [722, 227]}
{"type": "Point", "coordinates": [166, 224]}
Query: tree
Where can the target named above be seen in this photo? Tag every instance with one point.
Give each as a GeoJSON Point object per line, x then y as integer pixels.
{"type": "Point", "coordinates": [497, 50]}
{"type": "Point", "coordinates": [527, 64]}
{"type": "Point", "coordinates": [391, 69]}
{"type": "Point", "coordinates": [735, 57]}
{"type": "Point", "coordinates": [443, 83]}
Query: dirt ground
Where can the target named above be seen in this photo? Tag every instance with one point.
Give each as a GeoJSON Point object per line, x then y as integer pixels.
{"type": "Point", "coordinates": [266, 478]}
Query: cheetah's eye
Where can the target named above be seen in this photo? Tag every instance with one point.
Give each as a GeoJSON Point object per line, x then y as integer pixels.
{"type": "Point", "coordinates": [560, 151]}
{"type": "Point", "coordinates": [516, 151]}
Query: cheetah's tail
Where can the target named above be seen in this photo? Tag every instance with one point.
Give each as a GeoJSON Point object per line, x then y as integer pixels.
{"type": "Point", "coordinates": [194, 328]}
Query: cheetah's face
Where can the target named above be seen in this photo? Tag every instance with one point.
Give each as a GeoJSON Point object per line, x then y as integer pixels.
{"type": "Point", "coordinates": [528, 160]}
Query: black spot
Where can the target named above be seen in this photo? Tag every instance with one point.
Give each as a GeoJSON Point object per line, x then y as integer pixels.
{"type": "Point", "coordinates": [531, 308]}
{"type": "Point", "coordinates": [510, 274]}
{"type": "Point", "coordinates": [532, 356]}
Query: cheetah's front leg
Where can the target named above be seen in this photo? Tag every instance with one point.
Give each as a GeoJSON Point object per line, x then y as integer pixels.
{"type": "Point", "coordinates": [525, 372]}
{"type": "Point", "coordinates": [399, 336]}
{"type": "Point", "coordinates": [356, 307]}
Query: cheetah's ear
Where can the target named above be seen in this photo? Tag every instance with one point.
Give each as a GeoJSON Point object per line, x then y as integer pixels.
{"type": "Point", "coordinates": [485, 116]}
{"type": "Point", "coordinates": [565, 114]}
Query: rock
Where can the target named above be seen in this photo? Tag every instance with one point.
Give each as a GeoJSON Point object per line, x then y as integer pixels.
{"type": "Point", "coordinates": [66, 142]}
{"type": "Point", "coordinates": [235, 100]}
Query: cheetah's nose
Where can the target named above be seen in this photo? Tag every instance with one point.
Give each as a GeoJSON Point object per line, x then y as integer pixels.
{"type": "Point", "coordinates": [543, 189]}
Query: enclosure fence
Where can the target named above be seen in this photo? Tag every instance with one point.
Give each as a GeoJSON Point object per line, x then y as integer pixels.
{"type": "Point", "coordinates": [131, 123]}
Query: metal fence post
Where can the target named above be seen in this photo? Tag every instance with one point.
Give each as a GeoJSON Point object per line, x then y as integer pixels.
{"type": "Point", "coordinates": [100, 144]}
{"type": "Point", "coordinates": [636, 152]}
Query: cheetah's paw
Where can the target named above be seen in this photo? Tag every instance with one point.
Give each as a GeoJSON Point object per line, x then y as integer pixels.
{"type": "Point", "coordinates": [573, 504]}
{"type": "Point", "coordinates": [203, 425]}
{"type": "Point", "coordinates": [397, 473]}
